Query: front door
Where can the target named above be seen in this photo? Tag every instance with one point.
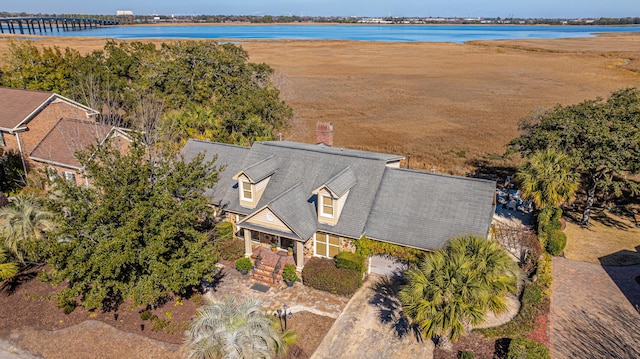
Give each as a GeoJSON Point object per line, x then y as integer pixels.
{"type": "Point", "coordinates": [286, 243]}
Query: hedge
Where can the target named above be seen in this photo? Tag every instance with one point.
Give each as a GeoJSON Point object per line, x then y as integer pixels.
{"type": "Point", "coordinates": [350, 260]}
{"type": "Point", "coordinates": [523, 348]}
{"type": "Point", "coordinates": [368, 247]}
{"type": "Point", "coordinates": [556, 242]}
{"type": "Point", "coordinates": [322, 274]}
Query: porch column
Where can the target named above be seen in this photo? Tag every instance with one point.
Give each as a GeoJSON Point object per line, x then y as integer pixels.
{"type": "Point", "coordinates": [299, 251]}
{"type": "Point", "coordinates": [247, 243]}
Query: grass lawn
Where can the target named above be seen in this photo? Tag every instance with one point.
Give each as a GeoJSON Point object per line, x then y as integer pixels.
{"type": "Point", "coordinates": [611, 239]}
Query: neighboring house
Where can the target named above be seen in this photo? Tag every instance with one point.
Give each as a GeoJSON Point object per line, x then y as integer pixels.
{"type": "Point", "coordinates": [56, 152]}
{"type": "Point", "coordinates": [47, 129]}
{"type": "Point", "coordinates": [316, 199]}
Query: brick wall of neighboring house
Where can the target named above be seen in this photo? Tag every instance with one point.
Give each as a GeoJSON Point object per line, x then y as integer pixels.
{"type": "Point", "coordinates": [10, 142]}
{"type": "Point", "coordinates": [43, 169]}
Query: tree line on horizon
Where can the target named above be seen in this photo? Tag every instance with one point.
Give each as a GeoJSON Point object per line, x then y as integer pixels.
{"type": "Point", "coordinates": [292, 18]}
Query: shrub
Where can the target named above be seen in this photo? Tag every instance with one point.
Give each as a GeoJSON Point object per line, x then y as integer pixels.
{"type": "Point", "coordinates": [350, 260]}
{"type": "Point", "coordinates": [369, 247]}
{"type": "Point", "coordinates": [523, 348]}
{"type": "Point", "coordinates": [230, 250]}
{"type": "Point", "coordinates": [145, 315]}
{"type": "Point", "coordinates": [532, 294]}
{"type": "Point", "coordinates": [67, 305]}
{"type": "Point", "coordinates": [465, 355]}
{"type": "Point", "coordinates": [322, 274]}
{"type": "Point", "coordinates": [223, 231]}
{"type": "Point", "coordinates": [543, 272]}
{"type": "Point", "coordinates": [289, 273]}
{"type": "Point", "coordinates": [244, 264]}
{"type": "Point", "coordinates": [556, 242]}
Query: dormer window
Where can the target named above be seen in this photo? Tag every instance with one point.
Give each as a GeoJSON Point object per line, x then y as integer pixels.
{"type": "Point", "coordinates": [247, 193]}
{"type": "Point", "coordinates": [327, 207]}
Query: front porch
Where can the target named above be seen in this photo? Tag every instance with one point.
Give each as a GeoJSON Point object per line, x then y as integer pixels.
{"type": "Point", "coordinates": [255, 241]}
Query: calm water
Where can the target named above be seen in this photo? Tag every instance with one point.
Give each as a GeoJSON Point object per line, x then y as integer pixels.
{"type": "Point", "coordinates": [393, 33]}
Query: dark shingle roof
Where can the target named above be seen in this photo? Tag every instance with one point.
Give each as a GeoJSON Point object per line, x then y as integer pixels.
{"type": "Point", "coordinates": [294, 210]}
{"type": "Point", "coordinates": [423, 210]}
{"type": "Point", "coordinates": [411, 208]}
{"type": "Point", "coordinates": [229, 156]}
{"type": "Point", "coordinates": [261, 170]}
{"type": "Point", "coordinates": [16, 105]}
{"type": "Point", "coordinates": [66, 138]}
{"type": "Point", "coordinates": [342, 182]}
{"type": "Point", "coordinates": [314, 165]}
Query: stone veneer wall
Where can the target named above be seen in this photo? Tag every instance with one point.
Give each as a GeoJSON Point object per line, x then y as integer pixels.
{"type": "Point", "coordinates": [346, 245]}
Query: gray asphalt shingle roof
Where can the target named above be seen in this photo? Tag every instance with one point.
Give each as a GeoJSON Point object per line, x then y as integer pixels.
{"type": "Point", "coordinates": [261, 170]}
{"type": "Point", "coordinates": [342, 182]}
{"type": "Point", "coordinates": [412, 208]}
{"type": "Point", "coordinates": [229, 156]}
{"type": "Point", "coordinates": [292, 208]}
{"type": "Point", "coordinates": [424, 210]}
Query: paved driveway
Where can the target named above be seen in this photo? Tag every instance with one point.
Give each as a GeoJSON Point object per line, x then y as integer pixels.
{"type": "Point", "coordinates": [371, 326]}
{"type": "Point", "coordinates": [590, 315]}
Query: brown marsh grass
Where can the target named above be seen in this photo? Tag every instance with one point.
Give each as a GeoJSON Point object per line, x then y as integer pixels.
{"type": "Point", "coordinates": [449, 105]}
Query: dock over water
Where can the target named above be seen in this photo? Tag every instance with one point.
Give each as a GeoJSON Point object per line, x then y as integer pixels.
{"type": "Point", "coordinates": [42, 25]}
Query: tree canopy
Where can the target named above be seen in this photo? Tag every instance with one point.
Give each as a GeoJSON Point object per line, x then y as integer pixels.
{"type": "Point", "coordinates": [136, 233]}
{"type": "Point", "coordinates": [241, 102]}
{"type": "Point", "coordinates": [548, 178]}
{"type": "Point", "coordinates": [601, 137]}
{"type": "Point", "coordinates": [235, 329]}
{"type": "Point", "coordinates": [454, 287]}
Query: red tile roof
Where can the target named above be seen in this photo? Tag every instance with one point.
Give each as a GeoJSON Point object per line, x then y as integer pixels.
{"type": "Point", "coordinates": [66, 138]}
{"type": "Point", "coordinates": [16, 105]}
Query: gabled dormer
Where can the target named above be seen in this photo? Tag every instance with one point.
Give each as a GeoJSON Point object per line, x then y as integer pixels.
{"type": "Point", "coordinates": [332, 196]}
{"type": "Point", "coordinates": [253, 180]}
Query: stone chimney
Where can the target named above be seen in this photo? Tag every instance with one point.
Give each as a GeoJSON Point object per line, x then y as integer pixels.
{"type": "Point", "coordinates": [324, 133]}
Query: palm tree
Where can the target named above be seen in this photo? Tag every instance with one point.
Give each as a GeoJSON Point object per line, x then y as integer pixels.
{"type": "Point", "coordinates": [7, 269]}
{"type": "Point", "coordinates": [454, 287]}
{"type": "Point", "coordinates": [235, 329]}
{"type": "Point", "coordinates": [23, 220]}
{"type": "Point", "coordinates": [548, 178]}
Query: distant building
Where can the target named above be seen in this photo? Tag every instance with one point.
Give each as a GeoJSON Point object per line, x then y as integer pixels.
{"type": "Point", "coordinates": [124, 13]}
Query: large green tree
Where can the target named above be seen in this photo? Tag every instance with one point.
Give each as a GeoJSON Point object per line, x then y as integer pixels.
{"type": "Point", "coordinates": [454, 287]}
{"type": "Point", "coordinates": [601, 137]}
{"type": "Point", "coordinates": [548, 177]}
{"type": "Point", "coordinates": [136, 232]}
{"type": "Point", "coordinates": [235, 329]}
{"type": "Point", "coordinates": [243, 102]}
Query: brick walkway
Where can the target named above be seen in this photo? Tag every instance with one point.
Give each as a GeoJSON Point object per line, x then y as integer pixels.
{"type": "Point", "coordinates": [590, 316]}
{"type": "Point", "coordinates": [298, 298]}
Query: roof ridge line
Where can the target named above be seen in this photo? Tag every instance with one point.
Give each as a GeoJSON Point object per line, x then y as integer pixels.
{"type": "Point", "coordinates": [439, 174]}
{"type": "Point", "coordinates": [313, 149]}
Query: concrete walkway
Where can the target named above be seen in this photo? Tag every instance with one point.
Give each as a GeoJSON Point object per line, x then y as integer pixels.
{"type": "Point", "coordinates": [371, 326]}
{"type": "Point", "coordinates": [590, 316]}
{"type": "Point", "coordinates": [10, 351]}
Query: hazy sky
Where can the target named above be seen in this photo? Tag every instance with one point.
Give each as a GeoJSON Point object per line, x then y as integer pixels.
{"type": "Point", "coordinates": [463, 8]}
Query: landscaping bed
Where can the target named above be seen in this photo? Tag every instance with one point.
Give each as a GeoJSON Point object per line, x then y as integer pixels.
{"type": "Point", "coordinates": [31, 319]}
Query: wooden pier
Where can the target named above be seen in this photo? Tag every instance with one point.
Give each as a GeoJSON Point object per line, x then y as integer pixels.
{"type": "Point", "coordinates": [40, 25]}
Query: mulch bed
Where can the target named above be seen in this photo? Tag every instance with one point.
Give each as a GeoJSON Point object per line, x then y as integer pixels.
{"type": "Point", "coordinates": [481, 347]}
{"type": "Point", "coordinates": [31, 304]}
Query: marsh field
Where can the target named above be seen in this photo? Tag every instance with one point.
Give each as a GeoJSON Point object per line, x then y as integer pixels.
{"type": "Point", "coordinates": [449, 105]}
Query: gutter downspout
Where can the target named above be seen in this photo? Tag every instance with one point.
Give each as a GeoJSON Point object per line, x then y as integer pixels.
{"type": "Point", "coordinates": [24, 165]}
